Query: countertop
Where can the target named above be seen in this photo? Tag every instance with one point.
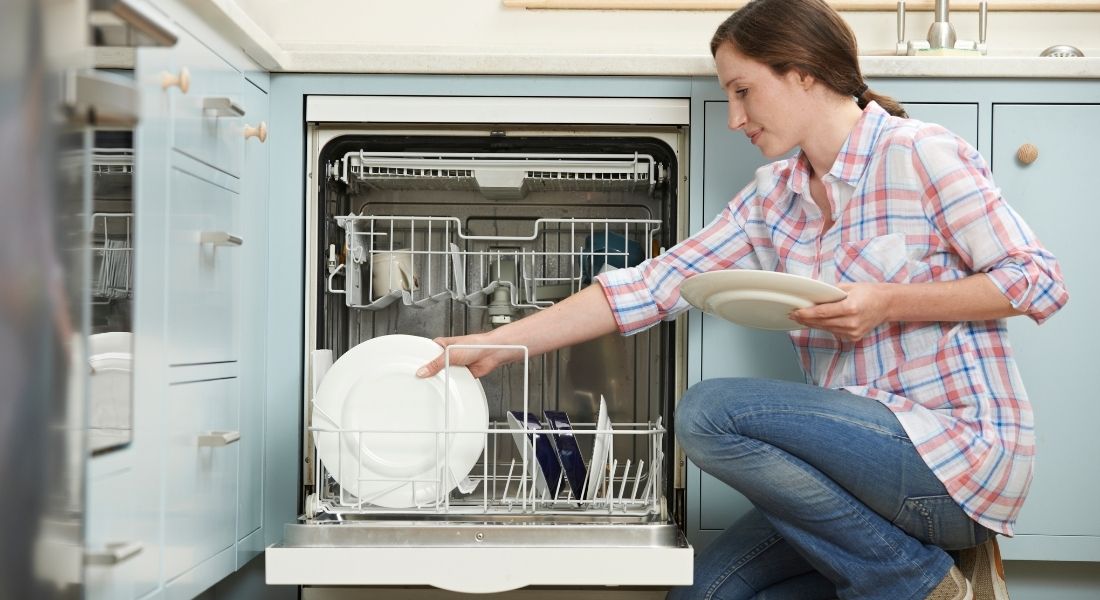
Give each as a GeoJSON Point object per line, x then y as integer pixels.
{"type": "Point", "coordinates": [226, 17]}
{"type": "Point", "coordinates": [474, 61]}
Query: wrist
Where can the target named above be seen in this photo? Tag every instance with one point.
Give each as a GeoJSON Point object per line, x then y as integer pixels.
{"type": "Point", "coordinates": [892, 302]}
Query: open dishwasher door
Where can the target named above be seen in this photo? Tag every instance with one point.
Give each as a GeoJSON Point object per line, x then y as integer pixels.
{"type": "Point", "coordinates": [557, 470]}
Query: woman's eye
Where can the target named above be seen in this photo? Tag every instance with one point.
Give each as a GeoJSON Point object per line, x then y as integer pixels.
{"type": "Point", "coordinates": [741, 92]}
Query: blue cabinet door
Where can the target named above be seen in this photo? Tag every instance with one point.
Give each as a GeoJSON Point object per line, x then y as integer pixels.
{"type": "Point", "coordinates": [728, 350]}
{"type": "Point", "coordinates": [1059, 520]}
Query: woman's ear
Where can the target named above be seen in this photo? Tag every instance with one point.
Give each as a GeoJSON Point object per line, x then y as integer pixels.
{"type": "Point", "coordinates": [801, 78]}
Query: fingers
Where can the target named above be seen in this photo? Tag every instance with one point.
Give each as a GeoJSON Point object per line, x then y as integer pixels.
{"type": "Point", "coordinates": [430, 369]}
{"type": "Point", "coordinates": [436, 365]}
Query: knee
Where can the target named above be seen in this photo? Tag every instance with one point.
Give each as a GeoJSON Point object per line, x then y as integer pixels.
{"type": "Point", "coordinates": [697, 414]}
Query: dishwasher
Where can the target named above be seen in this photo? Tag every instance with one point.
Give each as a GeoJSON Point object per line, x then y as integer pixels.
{"type": "Point", "coordinates": [495, 209]}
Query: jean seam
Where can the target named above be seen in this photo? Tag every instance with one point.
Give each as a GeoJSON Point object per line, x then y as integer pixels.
{"type": "Point", "coordinates": [831, 417]}
{"type": "Point", "coordinates": [751, 554]}
{"type": "Point", "coordinates": [767, 448]}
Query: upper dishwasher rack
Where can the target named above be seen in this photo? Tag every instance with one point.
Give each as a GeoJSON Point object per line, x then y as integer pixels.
{"type": "Point", "coordinates": [423, 259]}
{"type": "Point", "coordinates": [499, 176]}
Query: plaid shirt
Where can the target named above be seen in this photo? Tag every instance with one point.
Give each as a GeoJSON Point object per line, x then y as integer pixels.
{"type": "Point", "coordinates": [913, 203]}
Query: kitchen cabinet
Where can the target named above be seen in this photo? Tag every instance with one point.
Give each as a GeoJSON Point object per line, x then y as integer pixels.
{"type": "Point", "coordinates": [727, 350]}
{"type": "Point", "coordinates": [201, 234]}
{"type": "Point", "coordinates": [203, 266]}
{"type": "Point", "coordinates": [1059, 520]}
{"type": "Point", "coordinates": [201, 438]}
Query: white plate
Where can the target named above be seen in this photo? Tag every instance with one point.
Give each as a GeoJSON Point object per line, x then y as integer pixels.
{"type": "Point", "coordinates": [110, 363]}
{"type": "Point", "coordinates": [398, 455]}
{"type": "Point", "coordinates": [753, 298]}
{"type": "Point", "coordinates": [600, 450]}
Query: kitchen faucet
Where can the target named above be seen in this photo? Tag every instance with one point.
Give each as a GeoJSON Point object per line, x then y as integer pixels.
{"type": "Point", "coordinates": [941, 35]}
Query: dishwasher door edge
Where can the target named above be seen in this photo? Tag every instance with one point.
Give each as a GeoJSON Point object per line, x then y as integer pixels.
{"type": "Point", "coordinates": [481, 569]}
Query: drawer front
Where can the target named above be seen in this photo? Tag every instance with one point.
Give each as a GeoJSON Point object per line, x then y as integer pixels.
{"type": "Point", "coordinates": [116, 554]}
{"type": "Point", "coordinates": [203, 282]}
{"type": "Point", "coordinates": [200, 503]}
{"type": "Point", "coordinates": [207, 124]}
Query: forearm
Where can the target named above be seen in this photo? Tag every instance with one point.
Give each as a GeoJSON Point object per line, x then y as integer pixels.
{"type": "Point", "coordinates": [974, 298]}
{"type": "Point", "coordinates": [579, 318]}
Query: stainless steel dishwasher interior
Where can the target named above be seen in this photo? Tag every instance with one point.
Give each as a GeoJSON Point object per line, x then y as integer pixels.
{"type": "Point", "coordinates": [487, 250]}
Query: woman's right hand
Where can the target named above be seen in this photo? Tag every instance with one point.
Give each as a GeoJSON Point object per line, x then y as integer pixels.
{"type": "Point", "coordinates": [481, 361]}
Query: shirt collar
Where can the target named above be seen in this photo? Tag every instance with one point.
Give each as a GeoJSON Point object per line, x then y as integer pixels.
{"type": "Point", "coordinates": [855, 155]}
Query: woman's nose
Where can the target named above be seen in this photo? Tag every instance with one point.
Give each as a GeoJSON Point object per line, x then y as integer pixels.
{"type": "Point", "coordinates": [736, 118]}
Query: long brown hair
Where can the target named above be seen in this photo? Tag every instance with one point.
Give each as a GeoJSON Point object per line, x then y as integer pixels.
{"type": "Point", "coordinates": [806, 35]}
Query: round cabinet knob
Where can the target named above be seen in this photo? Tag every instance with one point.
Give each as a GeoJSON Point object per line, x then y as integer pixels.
{"type": "Point", "coordinates": [183, 80]}
{"type": "Point", "coordinates": [1027, 154]}
{"type": "Point", "coordinates": [259, 132]}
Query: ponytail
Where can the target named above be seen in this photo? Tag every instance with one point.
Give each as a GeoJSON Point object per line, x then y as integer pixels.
{"type": "Point", "coordinates": [865, 96]}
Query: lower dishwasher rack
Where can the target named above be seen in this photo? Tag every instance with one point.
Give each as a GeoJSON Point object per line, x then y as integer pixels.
{"type": "Point", "coordinates": [502, 527]}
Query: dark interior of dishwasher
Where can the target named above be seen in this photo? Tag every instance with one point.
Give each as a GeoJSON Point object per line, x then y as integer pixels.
{"type": "Point", "coordinates": [634, 373]}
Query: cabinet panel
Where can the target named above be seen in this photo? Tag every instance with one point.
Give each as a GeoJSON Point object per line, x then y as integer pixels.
{"type": "Point", "coordinates": [254, 191]}
{"type": "Point", "coordinates": [960, 119]}
{"type": "Point", "coordinates": [200, 501]}
{"type": "Point", "coordinates": [728, 350]}
{"type": "Point", "coordinates": [203, 272]}
{"type": "Point", "coordinates": [111, 537]}
{"type": "Point", "coordinates": [206, 119]}
{"type": "Point", "coordinates": [1055, 359]}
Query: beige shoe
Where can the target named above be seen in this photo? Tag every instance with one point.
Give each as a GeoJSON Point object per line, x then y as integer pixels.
{"type": "Point", "coordinates": [953, 587]}
{"type": "Point", "coordinates": [983, 569]}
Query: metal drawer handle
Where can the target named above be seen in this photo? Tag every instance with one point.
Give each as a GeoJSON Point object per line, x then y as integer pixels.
{"type": "Point", "coordinates": [222, 106]}
{"type": "Point", "coordinates": [183, 80]}
{"type": "Point", "coordinates": [217, 439]}
{"type": "Point", "coordinates": [114, 553]}
{"type": "Point", "coordinates": [140, 16]}
{"type": "Point", "coordinates": [220, 238]}
{"type": "Point", "coordinates": [259, 132]}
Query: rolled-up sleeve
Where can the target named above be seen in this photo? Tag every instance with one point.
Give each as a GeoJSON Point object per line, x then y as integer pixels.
{"type": "Point", "coordinates": [642, 296]}
{"type": "Point", "coordinates": [967, 208]}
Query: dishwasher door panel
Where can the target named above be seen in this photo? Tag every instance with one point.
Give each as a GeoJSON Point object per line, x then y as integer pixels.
{"type": "Point", "coordinates": [482, 569]}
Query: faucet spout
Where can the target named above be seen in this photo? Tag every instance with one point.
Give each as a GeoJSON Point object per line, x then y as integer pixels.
{"type": "Point", "coordinates": [942, 9]}
{"type": "Point", "coordinates": [941, 34]}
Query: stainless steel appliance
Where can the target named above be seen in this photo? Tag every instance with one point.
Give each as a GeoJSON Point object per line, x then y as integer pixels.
{"type": "Point", "coordinates": [511, 206]}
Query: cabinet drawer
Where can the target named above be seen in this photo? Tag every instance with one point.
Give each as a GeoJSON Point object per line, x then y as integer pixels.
{"type": "Point", "coordinates": [208, 119]}
{"type": "Point", "coordinates": [116, 552]}
{"type": "Point", "coordinates": [204, 257]}
{"type": "Point", "coordinates": [200, 502]}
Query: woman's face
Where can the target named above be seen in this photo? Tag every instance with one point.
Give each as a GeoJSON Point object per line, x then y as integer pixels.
{"type": "Point", "coordinates": [770, 109]}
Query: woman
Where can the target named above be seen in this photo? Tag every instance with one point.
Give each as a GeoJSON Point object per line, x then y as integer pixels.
{"type": "Point", "coordinates": [915, 436]}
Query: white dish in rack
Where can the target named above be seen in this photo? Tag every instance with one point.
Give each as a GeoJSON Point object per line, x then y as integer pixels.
{"type": "Point", "coordinates": [760, 299]}
{"type": "Point", "coordinates": [382, 427]}
{"type": "Point", "coordinates": [601, 449]}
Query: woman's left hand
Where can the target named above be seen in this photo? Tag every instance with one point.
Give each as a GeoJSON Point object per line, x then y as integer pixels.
{"type": "Point", "coordinates": [850, 319]}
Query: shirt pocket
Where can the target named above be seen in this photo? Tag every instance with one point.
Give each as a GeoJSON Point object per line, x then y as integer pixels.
{"type": "Point", "coordinates": [878, 259]}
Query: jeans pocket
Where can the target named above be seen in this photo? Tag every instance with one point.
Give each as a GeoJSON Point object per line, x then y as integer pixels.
{"type": "Point", "coordinates": [936, 520]}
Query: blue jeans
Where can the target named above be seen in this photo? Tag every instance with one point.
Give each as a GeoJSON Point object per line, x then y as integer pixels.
{"type": "Point", "coordinates": [844, 505]}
